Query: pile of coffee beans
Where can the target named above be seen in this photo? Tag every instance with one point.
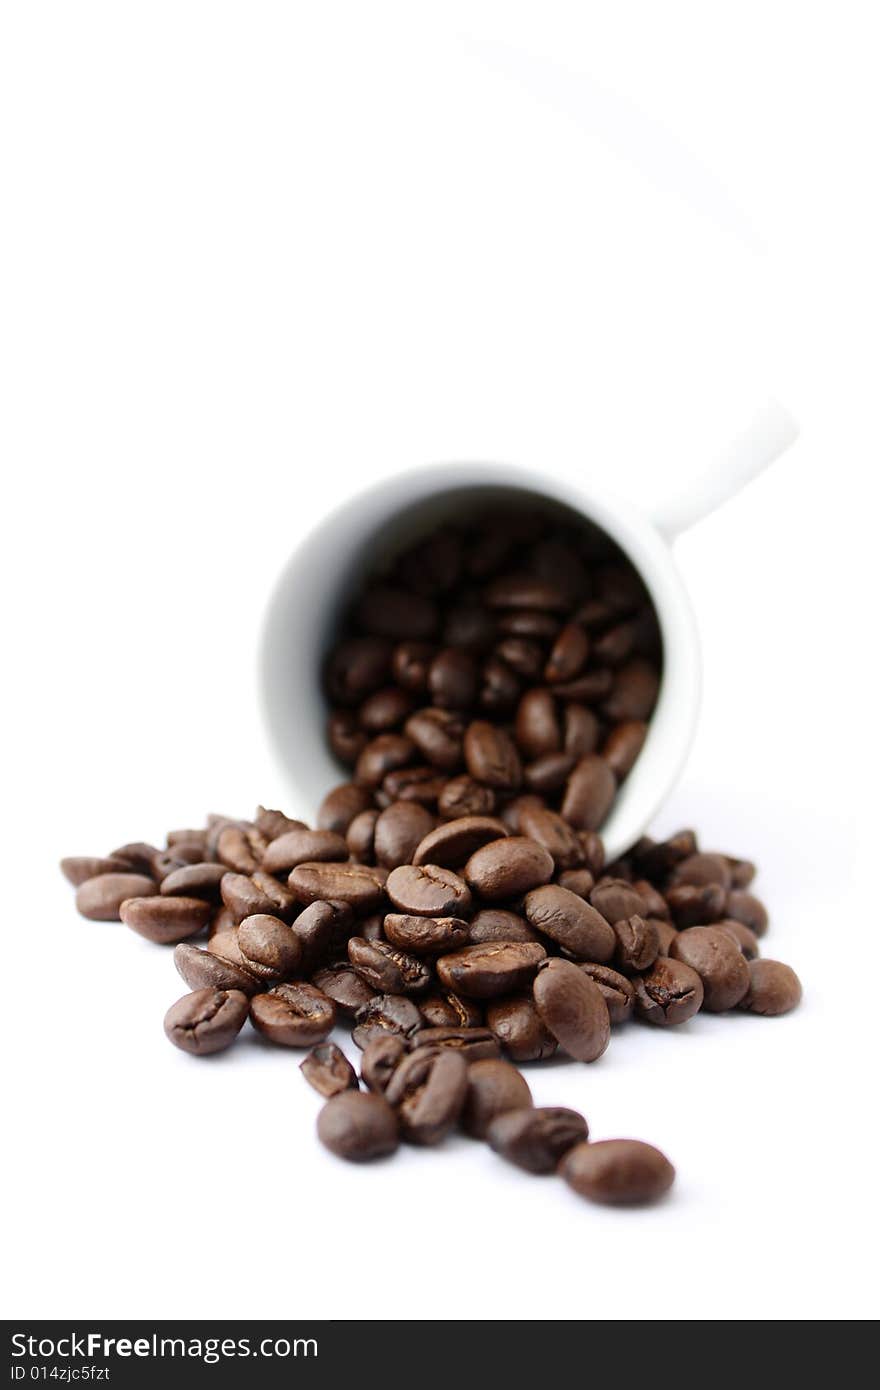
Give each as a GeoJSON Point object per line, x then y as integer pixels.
{"type": "Point", "coordinates": [452, 905]}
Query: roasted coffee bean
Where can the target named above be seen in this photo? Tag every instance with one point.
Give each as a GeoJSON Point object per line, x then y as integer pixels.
{"type": "Point", "coordinates": [382, 1055]}
{"type": "Point", "coordinates": [633, 691]}
{"type": "Point", "coordinates": [358, 1126]}
{"type": "Point", "coordinates": [589, 793]}
{"type": "Point", "coordinates": [745, 940]}
{"type": "Point", "coordinates": [207, 1020]}
{"type": "Point", "coordinates": [615, 644]}
{"type": "Point", "coordinates": [491, 756]}
{"type": "Point", "coordinates": [399, 831]}
{"type": "Point", "coordinates": [526, 622]}
{"type": "Point", "coordinates": [719, 963]}
{"type": "Point", "coordinates": [473, 1043]}
{"type": "Point", "coordinates": [452, 678]}
{"type": "Point", "coordinates": [653, 902]}
{"type": "Point", "coordinates": [269, 948]}
{"type": "Point", "coordinates": [451, 844]}
{"type": "Point", "coordinates": [526, 591]}
{"type": "Point", "coordinates": [335, 815]}
{"type": "Point", "coordinates": [556, 835]}
{"type": "Point", "coordinates": [572, 1008]}
{"type": "Point", "coordinates": [137, 857]}
{"type": "Point", "coordinates": [517, 1026]}
{"type": "Point", "coordinates": [497, 924]}
{"type": "Point", "coordinates": [388, 970]}
{"type": "Point", "coordinates": [346, 737]}
{"type": "Point", "coordinates": [386, 1013]}
{"type": "Point", "coordinates": [294, 1014]}
{"type": "Point", "coordinates": [285, 904]}
{"type": "Point", "coordinates": [580, 730]}
{"type": "Point", "coordinates": [273, 824]}
{"type": "Point", "coordinates": [499, 687]}
{"type": "Point", "coordinates": [746, 908]}
{"type": "Point", "coordinates": [303, 847]}
{"type": "Point", "coordinates": [412, 784]}
{"type": "Point", "coordinates": [382, 755]}
{"type": "Point", "coordinates": [536, 1138]}
{"type": "Point", "coordinates": [568, 655]}
{"type": "Point", "coordinates": [471, 626]}
{"type": "Point", "coordinates": [410, 663]}
{"type": "Point", "coordinates": [427, 1090]}
{"type": "Point", "coordinates": [618, 1171]}
{"type": "Point", "coordinates": [464, 796]}
{"type": "Point", "coordinates": [623, 746]}
{"type": "Point", "coordinates": [549, 773]}
{"type": "Point", "coordinates": [439, 736]}
{"type": "Point", "coordinates": [693, 905]}
{"type": "Point", "coordinates": [638, 944]}
{"type": "Point", "coordinates": [372, 928]}
{"type": "Point", "coordinates": [538, 729]}
{"type": "Point", "coordinates": [360, 836]}
{"type": "Point", "coordinates": [385, 710]}
{"type": "Point", "coordinates": [356, 667]}
{"type": "Point", "coordinates": [100, 898]}
{"type": "Point", "coordinates": [742, 872]}
{"type": "Point", "coordinates": [202, 970]}
{"type": "Point", "coordinates": [578, 881]}
{"type": "Point", "coordinates": [508, 868]}
{"type": "Point", "coordinates": [586, 688]}
{"type": "Point", "coordinates": [570, 922]}
{"type": "Point", "coordinates": [594, 851]}
{"type": "Point", "coordinates": [358, 885]}
{"type": "Point", "coordinates": [243, 898]}
{"type": "Point", "coordinates": [328, 1070]}
{"type": "Point", "coordinates": [446, 1010]}
{"type": "Point", "coordinates": [234, 850]}
{"type": "Point", "coordinates": [427, 890]}
{"type": "Point", "coordinates": [165, 920]}
{"type": "Point", "coordinates": [79, 869]}
{"type": "Point", "coordinates": [493, 1087]}
{"type": "Point", "coordinates": [773, 989]}
{"type": "Point", "coordinates": [195, 881]}
{"type": "Point", "coordinates": [666, 934]}
{"type": "Point", "coordinates": [616, 899]}
{"type": "Point", "coordinates": [166, 861]}
{"type": "Point", "coordinates": [343, 985]}
{"type": "Point", "coordinates": [617, 991]}
{"type": "Point", "coordinates": [426, 936]}
{"type": "Point", "coordinates": [224, 945]}
{"type": "Point", "coordinates": [322, 930]}
{"type": "Point", "coordinates": [669, 993]}
{"type": "Point", "coordinates": [522, 656]}
{"type": "Point", "coordinates": [656, 861]}
{"type": "Point", "coordinates": [397, 613]}
{"type": "Point", "coordinates": [489, 971]}
{"type": "Point", "coordinates": [702, 868]}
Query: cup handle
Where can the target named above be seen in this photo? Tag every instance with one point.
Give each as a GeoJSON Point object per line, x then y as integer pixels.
{"type": "Point", "coordinates": [770, 432]}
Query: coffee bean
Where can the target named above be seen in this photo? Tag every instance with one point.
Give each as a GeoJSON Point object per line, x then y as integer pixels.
{"type": "Point", "coordinates": [426, 936]}
{"type": "Point", "coordinates": [382, 755]}
{"type": "Point", "coordinates": [666, 934]}
{"type": "Point", "coordinates": [489, 971]}
{"type": "Point", "coordinates": [273, 824]}
{"type": "Point", "coordinates": [773, 989]}
{"type": "Point", "coordinates": [342, 984]}
{"type": "Point", "coordinates": [633, 691]}
{"type": "Point", "coordinates": [568, 655]}
{"type": "Point", "coordinates": [451, 844]}
{"type": "Point", "coordinates": [382, 1055]}
{"type": "Point", "coordinates": [638, 944]}
{"type": "Point", "coordinates": [438, 735]}
{"type": "Point", "coordinates": [428, 1090]}
{"type": "Point", "coordinates": [594, 851]}
{"type": "Point", "coordinates": [464, 796]}
{"type": "Point", "coordinates": [360, 886]}
{"type": "Point", "coordinates": [346, 737]}
{"type": "Point", "coordinates": [589, 793]}
{"type": "Point", "coordinates": [447, 1010]}
{"type": "Point", "coordinates": [410, 664]}
{"type": "Point", "coordinates": [399, 831]}
{"type": "Point", "coordinates": [202, 970]}
{"type": "Point", "coordinates": [623, 746]}
{"type": "Point", "coordinates": [303, 847]}
{"type": "Point", "coordinates": [491, 756]}
{"type": "Point", "coordinates": [570, 922]}
{"type": "Point", "coordinates": [517, 1026]}
{"type": "Point", "coordinates": [358, 1126]}
{"type": "Point", "coordinates": [572, 1008]}
{"type": "Point", "coordinates": [243, 898]}
{"type": "Point", "coordinates": [100, 898]}
{"type": "Point", "coordinates": [616, 899]}
{"type": "Point", "coordinates": [355, 668]}
{"type": "Point", "coordinates": [508, 868]}
{"type": "Point", "coordinates": [269, 947]}
{"type": "Point", "coordinates": [207, 1020]}
{"type": "Point", "coordinates": [165, 920]}
{"type": "Point", "coordinates": [79, 869]}
{"type": "Point", "coordinates": [322, 930]}
{"type": "Point", "coordinates": [386, 1013]}
{"type": "Point", "coordinates": [195, 881]}
{"type": "Point", "coordinates": [496, 924]}
{"type": "Point", "coordinates": [739, 933]}
{"type": "Point", "coordinates": [422, 785]}
{"type": "Point", "coordinates": [693, 905]}
{"type": "Point", "coordinates": [473, 1043]}
{"type": "Point", "coordinates": [234, 850]}
{"type": "Point", "coordinates": [328, 1070]}
{"type": "Point", "coordinates": [535, 1139]}
{"type": "Point", "coordinates": [653, 902]}
{"type": "Point", "coordinates": [746, 908]}
{"type": "Point", "coordinates": [387, 970]}
{"type": "Point", "coordinates": [719, 963]}
{"type": "Point", "coordinates": [549, 773]}
{"type": "Point", "coordinates": [702, 868]}
{"type": "Point", "coordinates": [537, 725]}
{"type": "Point", "coordinates": [580, 730]}
{"type": "Point", "coordinates": [526, 591]}
{"type": "Point", "coordinates": [524, 657]}
{"type": "Point", "coordinates": [742, 872]}
{"type": "Point", "coordinates": [618, 1171]}
{"type": "Point", "coordinates": [655, 861]}
{"type": "Point", "coordinates": [452, 679]}
{"type": "Point", "coordinates": [294, 1014]}
{"type": "Point", "coordinates": [555, 834]}
{"type": "Point", "coordinates": [578, 881]}
{"type": "Point", "coordinates": [427, 890]}
{"type": "Point", "coordinates": [224, 945]}
{"type": "Point", "coordinates": [384, 710]}
{"type": "Point", "coordinates": [335, 814]}
{"type": "Point", "coordinates": [524, 622]}
{"type": "Point", "coordinates": [617, 991]}
{"type": "Point", "coordinates": [137, 857]}
{"type": "Point", "coordinates": [493, 1087]}
{"type": "Point", "coordinates": [615, 644]}
{"type": "Point", "coordinates": [360, 837]}
{"type": "Point", "coordinates": [396, 613]}
{"type": "Point", "coordinates": [669, 993]}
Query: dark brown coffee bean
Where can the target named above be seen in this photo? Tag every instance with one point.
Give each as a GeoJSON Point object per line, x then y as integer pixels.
{"type": "Point", "coordinates": [616, 899]}
{"type": "Point", "coordinates": [701, 869]}
{"type": "Point", "coordinates": [341, 984]}
{"type": "Point", "coordinates": [638, 944]}
{"type": "Point", "coordinates": [594, 851]}
{"type": "Point", "coordinates": [359, 885]}
{"type": "Point", "coordinates": [427, 890]}
{"type": "Point", "coordinates": [507, 869]}
{"type": "Point", "coordinates": [491, 756]}
{"type": "Point", "coordinates": [451, 844]}
{"type": "Point", "coordinates": [79, 868]}
{"type": "Point", "coordinates": [496, 924]}
{"type": "Point", "coordinates": [385, 710]}
{"type": "Point", "coordinates": [407, 786]}
{"type": "Point", "coordinates": [719, 963]}
{"type": "Point", "coordinates": [452, 679]}
{"type": "Point", "coordinates": [243, 898]}
{"type": "Point", "coordinates": [272, 824]}
{"type": "Point", "coordinates": [386, 1013]}
{"type": "Point", "coordinates": [568, 655]}
{"type": "Point", "coordinates": [633, 691]}
{"type": "Point", "coordinates": [655, 861]}
{"type": "Point", "coordinates": [488, 971]}
{"type": "Point", "coordinates": [195, 881]}
{"type": "Point", "coordinates": [358, 1126]}
{"type": "Point", "coordinates": [511, 810]}
{"type": "Point", "coordinates": [666, 934]}
{"type": "Point", "coordinates": [549, 773]}
{"type": "Point", "coordinates": [303, 847]}
{"type": "Point", "coordinates": [426, 936]}
{"type": "Point", "coordinates": [618, 1171]}
{"type": "Point", "coordinates": [617, 991]}
{"type": "Point", "coordinates": [570, 922]}
{"type": "Point", "coordinates": [589, 792]}
{"type": "Point", "coordinates": [522, 656]}
{"type": "Point", "coordinates": [493, 1087]}
{"type": "Point", "coordinates": [438, 735]}
{"type": "Point", "coordinates": [382, 755]}
{"type": "Point", "coordinates": [234, 850]}
{"type": "Point", "coordinates": [773, 989]}
{"type": "Point", "coordinates": [469, 626]}
{"type": "Point", "coordinates": [518, 1028]}
{"type": "Point", "coordinates": [346, 737]}
{"type": "Point", "coordinates": [165, 920]}
{"type": "Point", "coordinates": [572, 1008]}
{"type": "Point", "coordinates": [446, 1010]}
{"type": "Point", "coordinates": [464, 796]}
{"type": "Point", "coordinates": [399, 831]}
{"type": "Point", "coordinates": [202, 970]}
{"type": "Point", "coordinates": [474, 1044]}
{"type": "Point", "coordinates": [294, 1014]}
{"type": "Point", "coordinates": [742, 872]}
{"type": "Point", "coordinates": [536, 1139]}
{"type": "Point", "coordinates": [355, 668]}
{"type": "Point", "coordinates": [693, 905]}
{"type": "Point", "coordinates": [586, 688]}
{"type": "Point", "coordinates": [739, 933]}
{"type": "Point", "coordinates": [322, 930]}
{"type": "Point", "coordinates": [137, 857]}
{"type": "Point", "coordinates": [224, 945]}
{"type": "Point", "coordinates": [428, 1090]}
{"type": "Point", "coordinates": [580, 730]}
{"type": "Point", "coordinates": [670, 993]}
{"type": "Point", "coordinates": [623, 746]}
{"type": "Point", "coordinates": [100, 898]}
{"type": "Point", "coordinates": [285, 904]}
{"type": "Point", "coordinates": [335, 815]}
{"type": "Point", "coordinates": [269, 948]}
{"type": "Point", "coordinates": [410, 664]}
{"type": "Point", "coordinates": [746, 908]}
{"type": "Point", "coordinates": [538, 729]}
{"type": "Point", "coordinates": [360, 837]}
{"type": "Point", "coordinates": [386, 969]}
{"type": "Point", "coordinates": [653, 902]}
{"type": "Point", "coordinates": [396, 613]}
{"type": "Point", "coordinates": [499, 687]}
{"type": "Point", "coordinates": [555, 834]}
{"type": "Point", "coordinates": [207, 1020]}
{"type": "Point", "coordinates": [382, 1056]}
{"type": "Point", "coordinates": [528, 623]}
{"type": "Point", "coordinates": [578, 881]}
{"type": "Point", "coordinates": [615, 644]}
{"type": "Point", "coordinates": [328, 1070]}
{"type": "Point", "coordinates": [526, 591]}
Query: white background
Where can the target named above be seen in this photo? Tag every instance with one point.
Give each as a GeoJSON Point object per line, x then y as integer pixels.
{"type": "Point", "coordinates": [255, 254]}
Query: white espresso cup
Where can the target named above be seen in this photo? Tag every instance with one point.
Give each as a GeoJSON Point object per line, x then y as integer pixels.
{"type": "Point", "coordinates": [323, 574]}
